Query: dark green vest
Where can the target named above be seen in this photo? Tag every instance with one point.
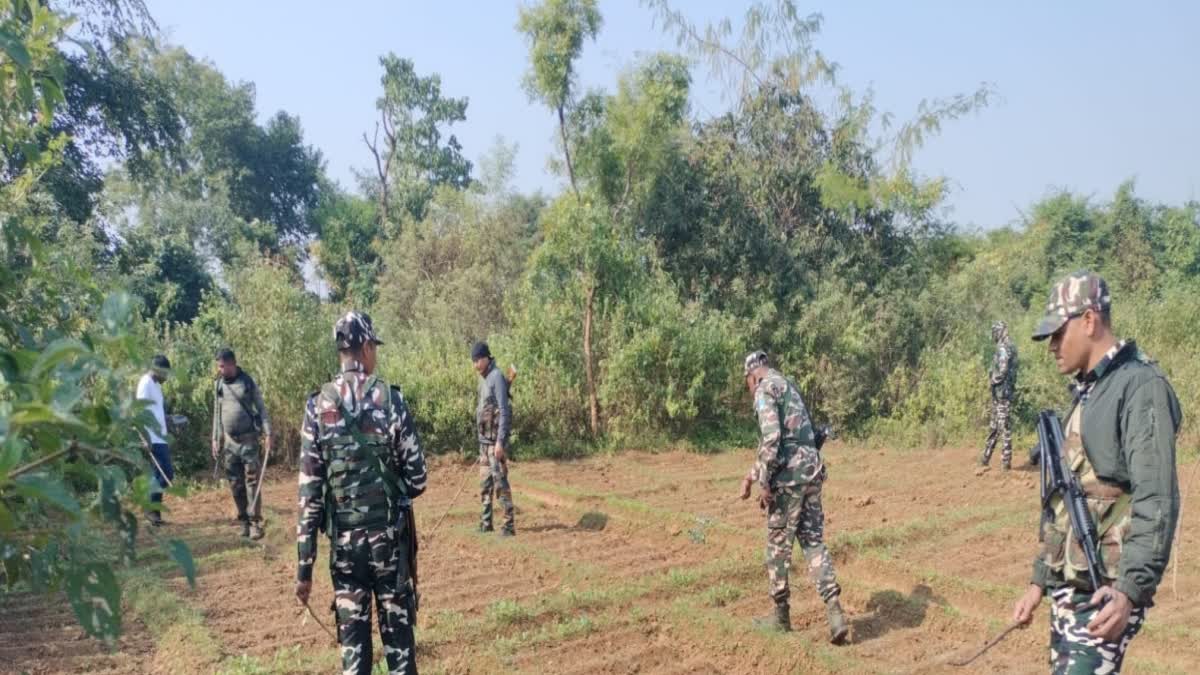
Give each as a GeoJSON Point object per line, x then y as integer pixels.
{"type": "Point", "coordinates": [361, 491]}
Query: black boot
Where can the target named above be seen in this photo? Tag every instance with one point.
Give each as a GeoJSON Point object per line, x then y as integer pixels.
{"type": "Point", "coordinates": [779, 621]}
{"type": "Point", "coordinates": [839, 630]}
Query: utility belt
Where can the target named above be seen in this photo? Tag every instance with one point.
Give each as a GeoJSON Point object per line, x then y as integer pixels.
{"type": "Point", "coordinates": [248, 438]}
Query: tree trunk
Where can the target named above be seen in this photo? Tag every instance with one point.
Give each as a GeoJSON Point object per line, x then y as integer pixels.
{"type": "Point", "coordinates": [562, 133]}
{"type": "Point", "coordinates": [593, 401]}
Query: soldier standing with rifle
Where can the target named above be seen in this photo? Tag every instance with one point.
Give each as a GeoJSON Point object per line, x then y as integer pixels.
{"type": "Point", "coordinates": [1112, 504]}
{"type": "Point", "coordinates": [239, 420]}
{"type": "Point", "coordinates": [1002, 381]}
{"type": "Point", "coordinates": [361, 466]}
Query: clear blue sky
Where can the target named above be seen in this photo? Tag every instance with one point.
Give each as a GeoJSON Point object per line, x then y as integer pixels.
{"type": "Point", "coordinates": [1092, 93]}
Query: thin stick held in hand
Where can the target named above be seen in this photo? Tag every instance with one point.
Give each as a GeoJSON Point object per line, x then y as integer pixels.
{"type": "Point", "coordinates": [319, 622]}
{"type": "Point", "coordinates": [453, 499]}
{"type": "Point", "coordinates": [159, 467]}
{"type": "Point", "coordinates": [262, 474]}
{"type": "Point", "coordinates": [992, 643]}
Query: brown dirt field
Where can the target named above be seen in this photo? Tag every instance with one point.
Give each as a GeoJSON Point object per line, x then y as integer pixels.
{"type": "Point", "coordinates": [641, 563]}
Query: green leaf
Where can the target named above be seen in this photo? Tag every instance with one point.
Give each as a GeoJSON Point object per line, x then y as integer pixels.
{"type": "Point", "coordinates": [10, 453]}
{"type": "Point", "coordinates": [45, 488]}
{"type": "Point", "coordinates": [57, 352]}
{"type": "Point", "coordinates": [41, 567]}
{"type": "Point", "coordinates": [118, 307]}
{"type": "Point", "coordinates": [7, 523]}
{"type": "Point", "coordinates": [96, 599]}
{"type": "Point", "coordinates": [183, 555]}
{"type": "Point", "coordinates": [16, 51]}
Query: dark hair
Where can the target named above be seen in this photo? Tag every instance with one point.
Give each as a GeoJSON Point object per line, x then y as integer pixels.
{"type": "Point", "coordinates": [226, 354]}
{"type": "Point", "coordinates": [160, 361]}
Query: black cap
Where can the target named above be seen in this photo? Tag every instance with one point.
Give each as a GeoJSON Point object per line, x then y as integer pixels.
{"type": "Point", "coordinates": [480, 350]}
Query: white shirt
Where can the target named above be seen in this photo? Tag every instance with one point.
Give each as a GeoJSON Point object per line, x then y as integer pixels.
{"type": "Point", "coordinates": [149, 390]}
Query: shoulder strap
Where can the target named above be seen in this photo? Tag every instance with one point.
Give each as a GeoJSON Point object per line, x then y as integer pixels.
{"type": "Point", "coordinates": [251, 385]}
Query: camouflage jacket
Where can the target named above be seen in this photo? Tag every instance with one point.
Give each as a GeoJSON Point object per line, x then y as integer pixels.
{"type": "Point", "coordinates": [405, 459]}
{"type": "Point", "coordinates": [1003, 375]}
{"type": "Point", "coordinates": [787, 453]}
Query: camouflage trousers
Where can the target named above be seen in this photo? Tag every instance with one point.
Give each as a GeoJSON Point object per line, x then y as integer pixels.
{"type": "Point", "coordinates": [795, 513]}
{"type": "Point", "coordinates": [366, 563]}
{"type": "Point", "coordinates": [243, 466]}
{"type": "Point", "coordinates": [1072, 650]}
{"type": "Point", "coordinates": [493, 480]}
{"type": "Point", "coordinates": [999, 426]}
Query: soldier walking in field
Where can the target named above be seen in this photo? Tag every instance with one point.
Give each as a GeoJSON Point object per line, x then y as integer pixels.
{"type": "Point", "coordinates": [1002, 379]}
{"type": "Point", "coordinates": [239, 421]}
{"type": "Point", "coordinates": [493, 419]}
{"type": "Point", "coordinates": [789, 472]}
{"type": "Point", "coordinates": [361, 465]}
{"type": "Point", "coordinates": [1120, 447]}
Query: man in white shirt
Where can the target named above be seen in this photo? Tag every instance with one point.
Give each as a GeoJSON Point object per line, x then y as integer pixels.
{"type": "Point", "coordinates": [154, 436]}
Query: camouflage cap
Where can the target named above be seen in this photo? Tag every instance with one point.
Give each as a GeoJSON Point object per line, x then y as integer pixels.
{"type": "Point", "coordinates": [1071, 297]}
{"type": "Point", "coordinates": [754, 360]}
{"type": "Point", "coordinates": [354, 330]}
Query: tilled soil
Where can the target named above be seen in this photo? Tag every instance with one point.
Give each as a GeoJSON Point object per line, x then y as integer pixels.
{"type": "Point", "coordinates": [644, 563]}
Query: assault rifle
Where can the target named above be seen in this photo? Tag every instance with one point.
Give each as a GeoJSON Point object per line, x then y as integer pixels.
{"type": "Point", "coordinates": [823, 433]}
{"type": "Point", "coordinates": [1057, 479]}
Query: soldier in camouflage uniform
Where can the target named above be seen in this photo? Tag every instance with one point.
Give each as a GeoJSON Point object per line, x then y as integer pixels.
{"type": "Point", "coordinates": [789, 471]}
{"type": "Point", "coordinates": [1003, 381]}
{"type": "Point", "coordinates": [360, 467]}
{"type": "Point", "coordinates": [493, 419]}
{"type": "Point", "coordinates": [1120, 444]}
{"type": "Point", "coordinates": [239, 419]}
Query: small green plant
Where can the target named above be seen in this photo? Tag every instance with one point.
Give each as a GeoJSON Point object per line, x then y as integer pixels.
{"type": "Point", "coordinates": [722, 594]}
{"type": "Point", "coordinates": [508, 612]}
{"type": "Point", "coordinates": [699, 531]}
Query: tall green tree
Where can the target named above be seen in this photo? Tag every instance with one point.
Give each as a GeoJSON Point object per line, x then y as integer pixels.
{"type": "Point", "coordinates": [556, 30]}
{"type": "Point", "coordinates": [411, 160]}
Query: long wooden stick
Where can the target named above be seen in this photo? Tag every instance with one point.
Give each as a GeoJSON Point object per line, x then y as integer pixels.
{"type": "Point", "coordinates": [992, 643]}
{"type": "Point", "coordinates": [461, 487]}
{"type": "Point", "coordinates": [262, 474]}
{"type": "Point", "coordinates": [319, 622]}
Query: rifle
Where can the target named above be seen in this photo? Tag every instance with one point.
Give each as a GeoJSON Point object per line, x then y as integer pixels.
{"type": "Point", "coordinates": [823, 433]}
{"type": "Point", "coordinates": [1056, 479]}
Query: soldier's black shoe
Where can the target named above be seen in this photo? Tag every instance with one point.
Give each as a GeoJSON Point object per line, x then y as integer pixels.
{"type": "Point", "coordinates": [245, 528]}
{"type": "Point", "coordinates": [255, 531]}
{"type": "Point", "coordinates": [483, 529]}
{"type": "Point", "coordinates": [155, 518]}
{"type": "Point", "coordinates": [779, 621]}
{"type": "Point", "coordinates": [1006, 466]}
{"type": "Point", "coordinates": [839, 630]}
{"type": "Point", "coordinates": [508, 532]}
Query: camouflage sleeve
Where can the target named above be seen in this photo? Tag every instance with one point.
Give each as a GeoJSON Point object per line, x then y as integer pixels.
{"type": "Point", "coordinates": [407, 457]}
{"type": "Point", "coordinates": [312, 493]}
{"type": "Point", "coordinates": [1000, 365]}
{"type": "Point", "coordinates": [767, 409]}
